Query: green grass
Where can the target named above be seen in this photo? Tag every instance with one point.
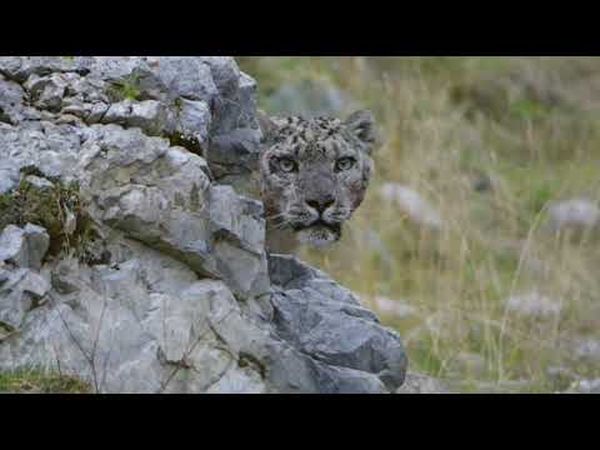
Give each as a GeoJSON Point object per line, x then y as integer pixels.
{"type": "Point", "coordinates": [125, 89]}
{"type": "Point", "coordinates": [531, 125]}
{"type": "Point", "coordinates": [33, 381]}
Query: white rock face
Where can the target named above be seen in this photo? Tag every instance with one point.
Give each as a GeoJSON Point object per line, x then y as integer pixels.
{"type": "Point", "coordinates": [412, 204]}
{"type": "Point", "coordinates": [579, 214]}
{"type": "Point", "coordinates": [183, 297]}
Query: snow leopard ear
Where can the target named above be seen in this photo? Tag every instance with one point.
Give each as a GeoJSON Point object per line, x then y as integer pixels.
{"type": "Point", "coordinates": [362, 124]}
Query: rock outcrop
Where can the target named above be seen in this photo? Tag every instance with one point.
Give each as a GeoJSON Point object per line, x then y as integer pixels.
{"type": "Point", "coordinates": [161, 281]}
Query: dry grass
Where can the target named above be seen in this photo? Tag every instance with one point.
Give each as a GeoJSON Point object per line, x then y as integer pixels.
{"type": "Point", "coordinates": [530, 125]}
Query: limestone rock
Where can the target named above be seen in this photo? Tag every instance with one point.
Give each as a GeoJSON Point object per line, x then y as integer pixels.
{"type": "Point", "coordinates": [19, 293]}
{"type": "Point", "coordinates": [24, 247]}
{"type": "Point", "coordinates": [185, 297]}
{"type": "Point", "coordinates": [11, 99]}
{"type": "Point", "coordinates": [162, 196]}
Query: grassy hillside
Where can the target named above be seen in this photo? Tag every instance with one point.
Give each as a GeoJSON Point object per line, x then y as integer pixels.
{"type": "Point", "coordinates": [490, 143]}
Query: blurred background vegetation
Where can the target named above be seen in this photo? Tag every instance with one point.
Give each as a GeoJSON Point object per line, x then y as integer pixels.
{"type": "Point", "coordinates": [478, 239]}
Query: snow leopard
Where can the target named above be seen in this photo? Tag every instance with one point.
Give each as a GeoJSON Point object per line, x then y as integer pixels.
{"type": "Point", "coordinates": [314, 173]}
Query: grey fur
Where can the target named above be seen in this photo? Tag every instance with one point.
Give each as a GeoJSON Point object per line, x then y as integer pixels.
{"type": "Point", "coordinates": [315, 172]}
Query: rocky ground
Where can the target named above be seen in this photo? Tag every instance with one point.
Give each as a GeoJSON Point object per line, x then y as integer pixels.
{"type": "Point", "coordinates": [129, 258]}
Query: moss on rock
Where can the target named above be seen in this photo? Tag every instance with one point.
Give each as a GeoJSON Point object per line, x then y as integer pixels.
{"type": "Point", "coordinates": [36, 381]}
{"type": "Point", "coordinates": [56, 207]}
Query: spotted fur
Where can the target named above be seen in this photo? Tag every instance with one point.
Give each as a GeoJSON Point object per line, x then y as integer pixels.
{"type": "Point", "coordinates": [315, 173]}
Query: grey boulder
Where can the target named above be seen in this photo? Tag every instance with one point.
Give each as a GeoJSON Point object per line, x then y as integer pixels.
{"type": "Point", "coordinates": [322, 319]}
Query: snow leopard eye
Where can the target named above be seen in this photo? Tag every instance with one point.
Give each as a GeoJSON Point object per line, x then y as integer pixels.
{"type": "Point", "coordinates": [287, 165]}
{"type": "Point", "coordinates": [345, 163]}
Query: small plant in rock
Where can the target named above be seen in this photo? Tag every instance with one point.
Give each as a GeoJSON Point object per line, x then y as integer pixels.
{"type": "Point", "coordinates": [178, 106]}
{"type": "Point", "coordinates": [125, 89]}
{"type": "Point", "coordinates": [58, 208]}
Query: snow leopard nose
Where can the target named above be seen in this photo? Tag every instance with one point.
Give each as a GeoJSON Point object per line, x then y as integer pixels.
{"type": "Point", "coordinates": [318, 187]}
{"type": "Point", "coordinates": [321, 203]}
